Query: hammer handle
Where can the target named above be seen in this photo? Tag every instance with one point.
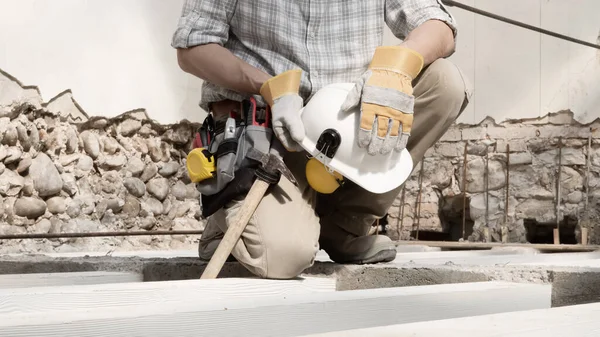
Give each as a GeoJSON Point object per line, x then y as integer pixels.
{"type": "Point", "coordinates": [235, 230]}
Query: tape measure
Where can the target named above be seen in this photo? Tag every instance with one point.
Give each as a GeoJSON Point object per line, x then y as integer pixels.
{"type": "Point", "coordinates": [200, 165]}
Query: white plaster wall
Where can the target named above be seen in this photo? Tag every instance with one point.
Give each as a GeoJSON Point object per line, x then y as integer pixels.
{"type": "Point", "coordinates": [116, 56]}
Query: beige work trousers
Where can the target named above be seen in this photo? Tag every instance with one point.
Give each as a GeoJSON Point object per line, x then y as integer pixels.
{"type": "Point", "coordinates": [282, 238]}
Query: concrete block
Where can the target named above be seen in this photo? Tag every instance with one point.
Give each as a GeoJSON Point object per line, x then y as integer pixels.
{"type": "Point", "coordinates": [295, 315]}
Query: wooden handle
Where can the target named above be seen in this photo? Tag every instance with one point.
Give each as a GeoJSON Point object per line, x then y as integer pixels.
{"type": "Point", "coordinates": [235, 230]}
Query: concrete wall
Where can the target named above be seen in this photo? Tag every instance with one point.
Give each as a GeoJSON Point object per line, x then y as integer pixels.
{"type": "Point", "coordinates": [115, 56]}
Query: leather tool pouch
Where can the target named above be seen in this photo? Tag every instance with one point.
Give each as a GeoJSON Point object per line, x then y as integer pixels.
{"type": "Point", "coordinates": [235, 172]}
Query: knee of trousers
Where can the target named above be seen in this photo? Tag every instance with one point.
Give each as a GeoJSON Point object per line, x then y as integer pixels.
{"type": "Point", "coordinates": [288, 257]}
{"type": "Point", "coordinates": [448, 82]}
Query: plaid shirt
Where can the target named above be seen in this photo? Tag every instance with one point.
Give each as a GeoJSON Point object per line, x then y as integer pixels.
{"type": "Point", "coordinates": [330, 40]}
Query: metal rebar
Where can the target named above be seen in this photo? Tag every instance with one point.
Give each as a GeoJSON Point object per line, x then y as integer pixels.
{"type": "Point", "coordinates": [400, 227]}
{"type": "Point", "coordinates": [487, 189]}
{"type": "Point", "coordinates": [95, 234]}
{"type": "Point", "coordinates": [517, 23]}
{"type": "Point", "coordinates": [558, 186]}
{"type": "Point", "coordinates": [464, 189]}
{"type": "Point", "coordinates": [587, 177]}
{"type": "Point", "coordinates": [507, 184]}
{"type": "Point", "coordinates": [419, 198]}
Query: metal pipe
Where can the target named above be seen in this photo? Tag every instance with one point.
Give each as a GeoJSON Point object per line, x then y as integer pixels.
{"type": "Point", "coordinates": [587, 176]}
{"type": "Point", "coordinates": [558, 187]}
{"type": "Point", "coordinates": [95, 234]}
{"type": "Point", "coordinates": [401, 220]}
{"type": "Point", "coordinates": [419, 198]}
{"type": "Point", "coordinates": [517, 23]}
{"type": "Point", "coordinates": [487, 189]}
{"type": "Point", "coordinates": [507, 184]}
{"type": "Point", "coordinates": [464, 189]}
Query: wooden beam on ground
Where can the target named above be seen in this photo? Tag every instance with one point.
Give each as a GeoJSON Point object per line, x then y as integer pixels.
{"type": "Point", "coordinates": [43, 299]}
{"type": "Point", "coordinates": [507, 259]}
{"type": "Point", "coordinates": [461, 254]}
{"type": "Point", "coordinates": [488, 245]}
{"type": "Point", "coordinates": [416, 256]}
{"type": "Point", "coordinates": [578, 320]}
{"type": "Point", "coordinates": [11, 281]}
{"type": "Point", "coordinates": [292, 316]}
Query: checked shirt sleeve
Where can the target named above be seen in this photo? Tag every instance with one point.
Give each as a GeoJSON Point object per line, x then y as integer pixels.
{"type": "Point", "coordinates": [202, 22]}
{"type": "Point", "coordinates": [402, 16]}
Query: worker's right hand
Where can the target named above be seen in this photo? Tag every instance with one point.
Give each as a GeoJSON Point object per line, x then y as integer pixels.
{"type": "Point", "coordinates": [281, 93]}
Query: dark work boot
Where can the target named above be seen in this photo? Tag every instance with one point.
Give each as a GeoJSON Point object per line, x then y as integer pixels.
{"type": "Point", "coordinates": [348, 248]}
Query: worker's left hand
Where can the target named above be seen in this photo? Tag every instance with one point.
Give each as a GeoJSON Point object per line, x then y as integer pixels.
{"type": "Point", "coordinates": [385, 95]}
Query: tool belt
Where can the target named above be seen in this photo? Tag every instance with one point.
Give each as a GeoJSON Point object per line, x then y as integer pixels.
{"type": "Point", "coordinates": [219, 164]}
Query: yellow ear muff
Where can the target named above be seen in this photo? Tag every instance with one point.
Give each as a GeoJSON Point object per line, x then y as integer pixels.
{"type": "Point", "coordinates": [320, 179]}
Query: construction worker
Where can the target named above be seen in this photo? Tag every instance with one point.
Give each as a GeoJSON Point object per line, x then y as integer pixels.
{"type": "Point", "coordinates": [252, 48]}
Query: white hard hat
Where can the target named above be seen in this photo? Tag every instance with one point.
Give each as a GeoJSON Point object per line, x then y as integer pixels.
{"type": "Point", "coordinates": [327, 128]}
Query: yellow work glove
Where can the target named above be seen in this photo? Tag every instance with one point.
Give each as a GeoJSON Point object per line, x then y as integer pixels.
{"type": "Point", "coordinates": [281, 93]}
{"type": "Point", "coordinates": [385, 95]}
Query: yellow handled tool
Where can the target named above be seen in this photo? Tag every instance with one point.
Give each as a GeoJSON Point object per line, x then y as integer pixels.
{"type": "Point", "coordinates": [200, 165]}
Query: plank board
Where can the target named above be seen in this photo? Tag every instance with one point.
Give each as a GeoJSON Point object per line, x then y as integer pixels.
{"type": "Point", "coordinates": [544, 247]}
{"type": "Point", "coordinates": [42, 299]}
{"type": "Point", "coordinates": [292, 316]}
{"type": "Point", "coordinates": [577, 321]}
{"type": "Point", "coordinates": [12, 281]}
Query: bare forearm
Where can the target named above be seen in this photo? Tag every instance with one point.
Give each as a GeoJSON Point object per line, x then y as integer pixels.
{"type": "Point", "coordinates": [219, 66]}
{"type": "Point", "coordinates": [433, 39]}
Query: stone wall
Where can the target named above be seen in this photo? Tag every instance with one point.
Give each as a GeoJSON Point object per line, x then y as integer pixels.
{"type": "Point", "coordinates": [61, 171]}
{"type": "Point", "coordinates": [532, 189]}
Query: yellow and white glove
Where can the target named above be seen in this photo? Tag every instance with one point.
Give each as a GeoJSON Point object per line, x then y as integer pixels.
{"type": "Point", "coordinates": [281, 93]}
{"type": "Point", "coordinates": [385, 95]}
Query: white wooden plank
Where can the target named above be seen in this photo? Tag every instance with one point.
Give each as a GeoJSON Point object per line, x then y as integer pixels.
{"type": "Point", "coordinates": [416, 257]}
{"type": "Point", "coordinates": [593, 263]}
{"type": "Point", "coordinates": [59, 279]}
{"type": "Point", "coordinates": [295, 315]}
{"type": "Point", "coordinates": [510, 259]}
{"type": "Point", "coordinates": [578, 320]}
{"type": "Point", "coordinates": [41, 299]}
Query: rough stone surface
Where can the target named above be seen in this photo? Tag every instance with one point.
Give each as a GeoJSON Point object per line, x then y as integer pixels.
{"type": "Point", "coordinates": [135, 186]}
{"type": "Point", "coordinates": [91, 144]}
{"type": "Point", "coordinates": [57, 205]}
{"type": "Point", "coordinates": [158, 188]}
{"type": "Point", "coordinates": [149, 172]}
{"type": "Point", "coordinates": [28, 207]}
{"type": "Point", "coordinates": [62, 171]}
{"type": "Point", "coordinates": [46, 179]}
{"type": "Point", "coordinates": [533, 147]}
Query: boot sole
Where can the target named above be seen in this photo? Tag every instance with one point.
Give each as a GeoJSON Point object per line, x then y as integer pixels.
{"type": "Point", "coordinates": [386, 255]}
